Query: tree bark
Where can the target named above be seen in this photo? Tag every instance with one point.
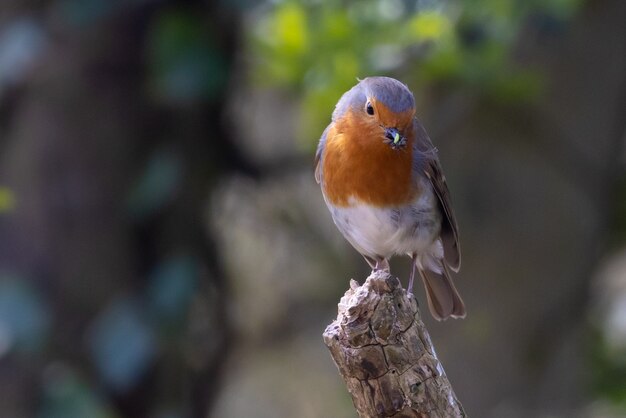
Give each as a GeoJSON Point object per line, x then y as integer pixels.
{"type": "Point", "coordinates": [385, 355]}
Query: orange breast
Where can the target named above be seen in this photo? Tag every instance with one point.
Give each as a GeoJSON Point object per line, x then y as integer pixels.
{"type": "Point", "coordinates": [357, 163]}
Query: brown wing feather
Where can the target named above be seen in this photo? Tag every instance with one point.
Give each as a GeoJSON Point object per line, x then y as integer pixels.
{"type": "Point", "coordinates": [444, 300]}
{"type": "Point", "coordinates": [430, 166]}
{"type": "Point", "coordinates": [449, 228]}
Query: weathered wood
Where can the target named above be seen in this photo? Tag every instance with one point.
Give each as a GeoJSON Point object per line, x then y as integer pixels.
{"type": "Point", "coordinates": [385, 355]}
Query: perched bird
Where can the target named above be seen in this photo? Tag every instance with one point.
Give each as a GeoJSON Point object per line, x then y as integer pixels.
{"type": "Point", "coordinates": [383, 184]}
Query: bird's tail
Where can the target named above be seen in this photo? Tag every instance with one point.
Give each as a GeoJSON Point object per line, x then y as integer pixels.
{"type": "Point", "coordinates": [444, 300]}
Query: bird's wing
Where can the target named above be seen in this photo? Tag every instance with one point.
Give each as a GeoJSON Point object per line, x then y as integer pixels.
{"type": "Point", "coordinates": [430, 166]}
{"type": "Point", "coordinates": [318, 155]}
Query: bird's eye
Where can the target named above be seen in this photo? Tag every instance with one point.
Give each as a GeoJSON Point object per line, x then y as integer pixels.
{"type": "Point", "coordinates": [369, 108]}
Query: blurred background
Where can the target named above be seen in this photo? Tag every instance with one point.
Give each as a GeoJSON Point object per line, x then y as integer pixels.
{"type": "Point", "coordinates": [166, 253]}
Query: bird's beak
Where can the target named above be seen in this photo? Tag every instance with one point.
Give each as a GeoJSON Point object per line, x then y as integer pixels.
{"type": "Point", "coordinates": [393, 136]}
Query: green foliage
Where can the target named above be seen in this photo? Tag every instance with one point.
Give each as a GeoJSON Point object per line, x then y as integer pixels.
{"type": "Point", "coordinates": [85, 12]}
{"type": "Point", "coordinates": [7, 200]}
{"type": "Point", "coordinates": [318, 49]}
{"type": "Point", "coordinates": [157, 185]}
{"type": "Point", "coordinates": [122, 344]}
{"type": "Point", "coordinates": [608, 367]}
{"type": "Point", "coordinates": [24, 316]}
{"type": "Point", "coordinates": [184, 63]}
{"type": "Point", "coordinates": [171, 288]}
{"type": "Point", "coordinates": [66, 394]}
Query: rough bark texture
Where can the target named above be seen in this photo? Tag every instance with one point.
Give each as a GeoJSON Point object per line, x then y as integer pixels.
{"type": "Point", "coordinates": [384, 353]}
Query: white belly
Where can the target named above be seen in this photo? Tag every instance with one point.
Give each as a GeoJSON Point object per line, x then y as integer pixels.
{"type": "Point", "coordinates": [383, 232]}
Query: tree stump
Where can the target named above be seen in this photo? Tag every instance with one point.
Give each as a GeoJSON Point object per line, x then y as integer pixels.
{"type": "Point", "coordinates": [384, 353]}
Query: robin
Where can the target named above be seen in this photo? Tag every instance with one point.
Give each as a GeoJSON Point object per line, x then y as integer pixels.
{"type": "Point", "coordinates": [383, 184]}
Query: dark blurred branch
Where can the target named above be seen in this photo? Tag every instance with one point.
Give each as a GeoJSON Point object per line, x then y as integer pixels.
{"type": "Point", "coordinates": [89, 127]}
{"type": "Point", "coordinates": [385, 355]}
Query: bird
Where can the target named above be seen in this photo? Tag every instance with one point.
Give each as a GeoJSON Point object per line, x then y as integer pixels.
{"type": "Point", "coordinates": [383, 183]}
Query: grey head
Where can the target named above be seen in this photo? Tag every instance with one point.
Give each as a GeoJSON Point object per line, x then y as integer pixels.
{"type": "Point", "coordinates": [394, 94]}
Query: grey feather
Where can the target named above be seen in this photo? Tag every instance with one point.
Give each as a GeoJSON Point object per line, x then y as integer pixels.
{"type": "Point", "coordinates": [389, 91]}
{"type": "Point", "coordinates": [354, 98]}
{"type": "Point", "coordinates": [318, 155]}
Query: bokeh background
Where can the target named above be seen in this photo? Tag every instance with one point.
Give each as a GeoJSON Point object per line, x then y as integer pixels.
{"type": "Point", "coordinates": [166, 253]}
